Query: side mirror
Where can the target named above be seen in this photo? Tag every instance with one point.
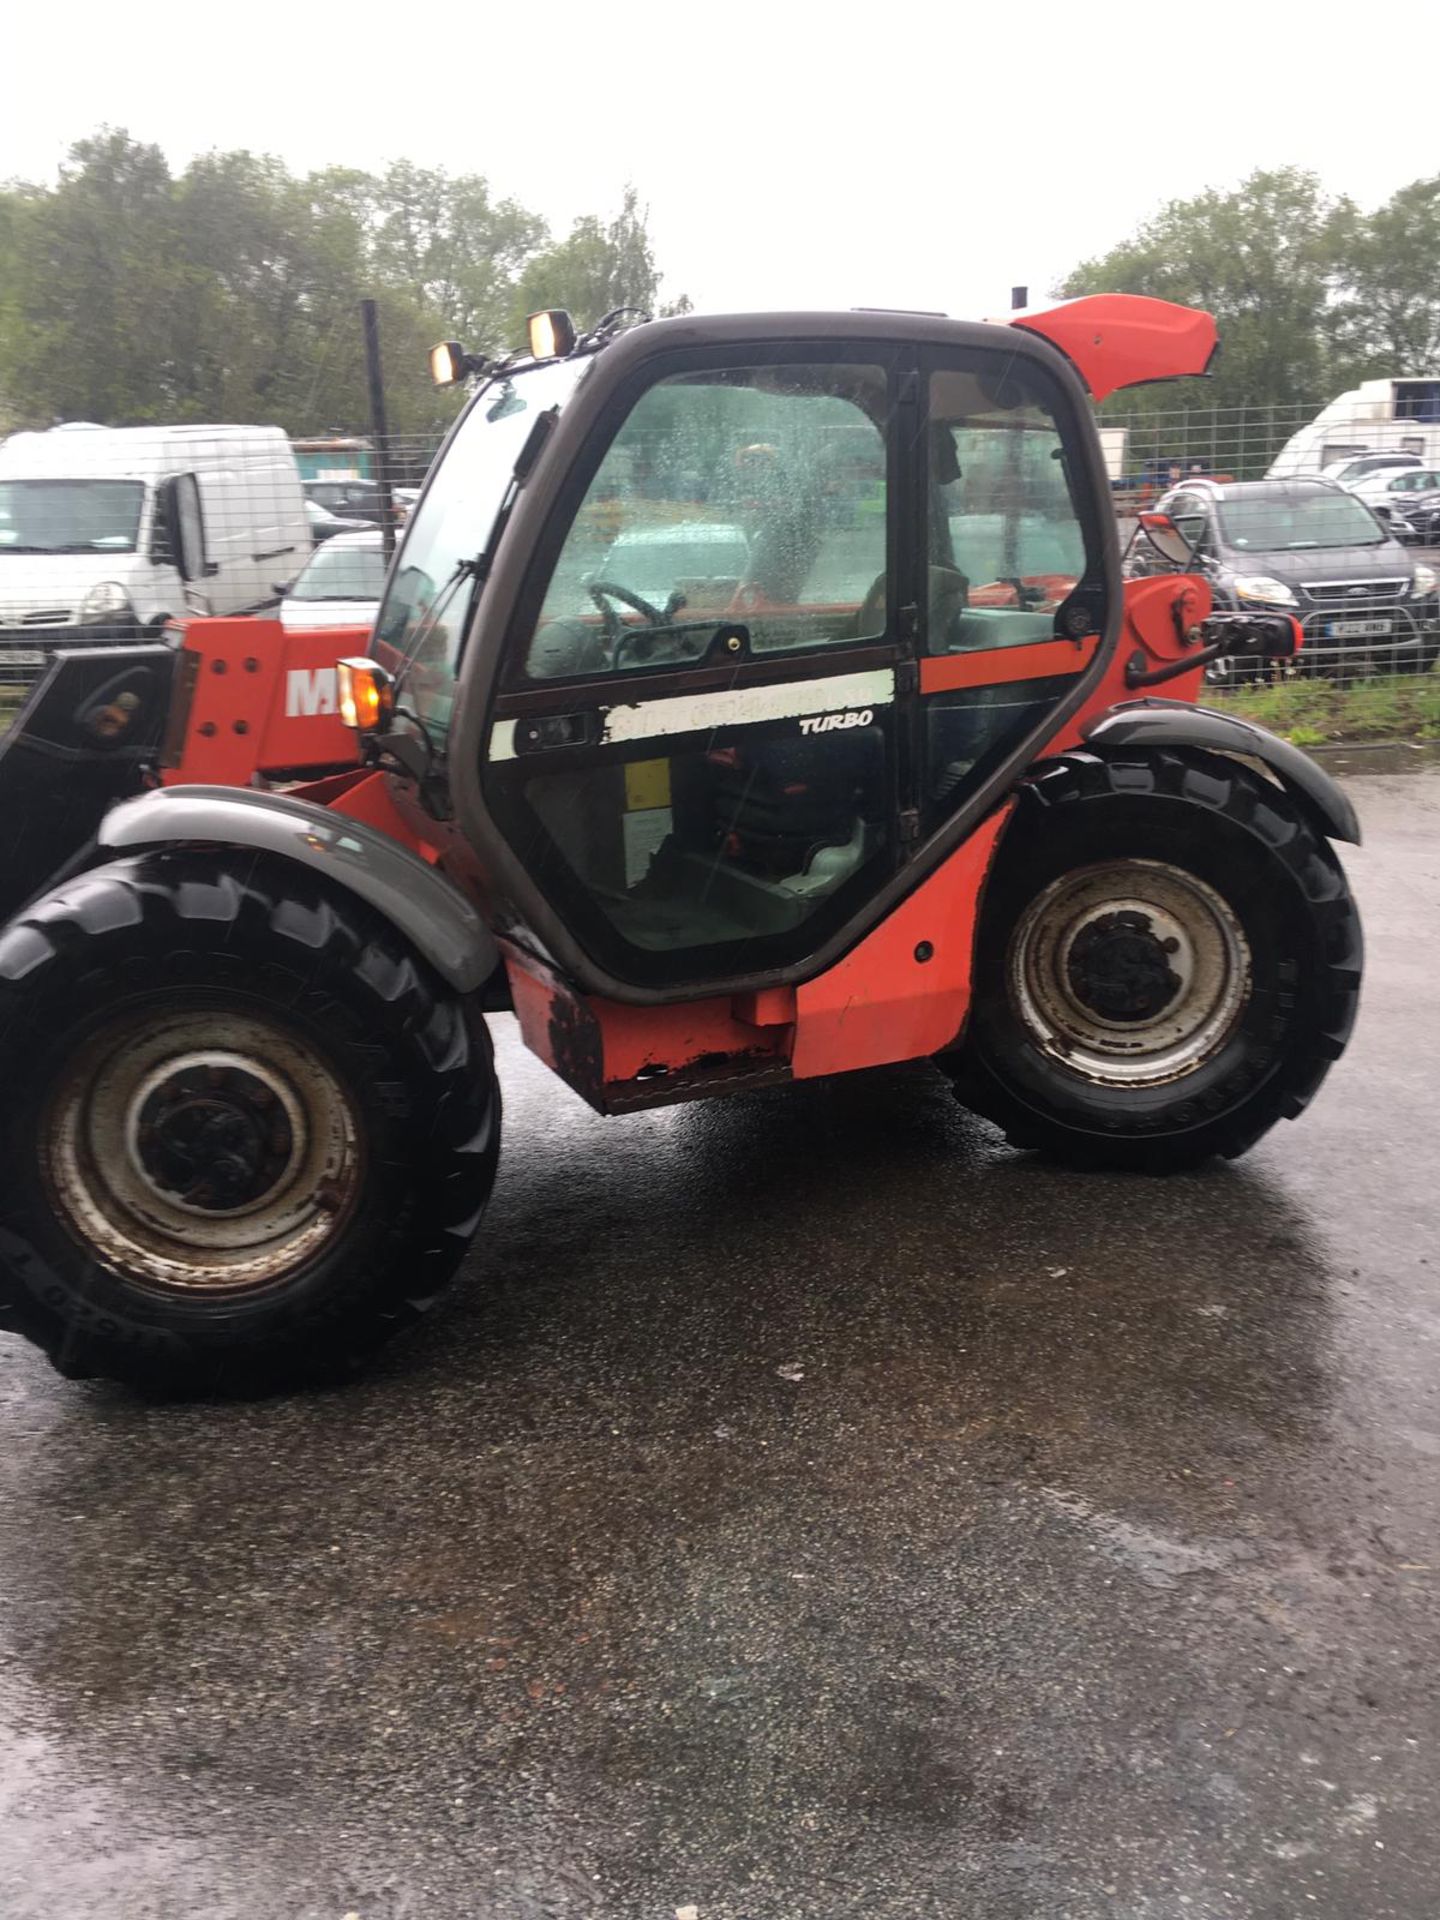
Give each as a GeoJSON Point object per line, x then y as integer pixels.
{"type": "Point", "coordinates": [1234, 636]}
{"type": "Point", "coordinates": [280, 588]}
{"type": "Point", "coordinates": [179, 530]}
{"type": "Point", "coordinates": [1167, 539]}
{"type": "Point", "coordinates": [165, 534]}
{"type": "Point", "coordinates": [1254, 636]}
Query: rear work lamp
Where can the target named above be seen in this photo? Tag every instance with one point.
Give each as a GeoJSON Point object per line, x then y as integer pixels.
{"type": "Point", "coordinates": [366, 695]}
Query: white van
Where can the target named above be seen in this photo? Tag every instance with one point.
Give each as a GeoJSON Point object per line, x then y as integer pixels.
{"type": "Point", "coordinates": [1378, 416]}
{"type": "Point", "coordinates": [107, 532]}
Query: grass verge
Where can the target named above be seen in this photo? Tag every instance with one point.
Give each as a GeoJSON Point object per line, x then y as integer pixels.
{"type": "Point", "coordinates": [1317, 712]}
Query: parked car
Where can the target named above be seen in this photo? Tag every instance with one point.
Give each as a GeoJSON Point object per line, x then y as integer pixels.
{"type": "Point", "coordinates": [340, 585]}
{"type": "Point", "coordinates": [1362, 465]}
{"type": "Point", "coordinates": [324, 524]}
{"type": "Point", "coordinates": [360, 499]}
{"type": "Point", "coordinates": [351, 499]}
{"type": "Point", "coordinates": [1408, 499]}
{"type": "Point", "coordinates": [1313, 549]}
{"type": "Point", "coordinates": [704, 560]}
{"type": "Point", "coordinates": [107, 533]}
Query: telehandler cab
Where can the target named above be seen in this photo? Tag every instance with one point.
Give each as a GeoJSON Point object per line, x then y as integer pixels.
{"type": "Point", "coordinates": [752, 699]}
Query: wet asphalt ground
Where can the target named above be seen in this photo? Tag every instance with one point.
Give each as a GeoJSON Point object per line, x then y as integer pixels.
{"type": "Point", "coordinates": [806, 1508]}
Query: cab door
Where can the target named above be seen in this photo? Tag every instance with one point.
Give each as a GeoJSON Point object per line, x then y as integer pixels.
{"type": "Point", "coordinates": [788, 629]}
{"type": "Point", "coordinates": [696, 753]}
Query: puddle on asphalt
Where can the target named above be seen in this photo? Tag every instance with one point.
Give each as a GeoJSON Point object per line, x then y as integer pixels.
{"type": "Point", "coordinates": [1156, 1558]}
{"type": "Point", "coordinates": [1380, 756]}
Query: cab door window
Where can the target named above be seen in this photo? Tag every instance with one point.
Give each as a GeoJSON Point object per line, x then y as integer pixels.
{"type": "Point", "coordinates": [750, 497]}
{"type": "Point", "coordinates": [1006, 544]}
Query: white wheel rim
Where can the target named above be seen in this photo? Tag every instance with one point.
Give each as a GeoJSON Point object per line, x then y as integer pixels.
{"type": "Point", "coordinates": [1130, 973]}
{"type": "Point", "coordinates": [201, 1152]}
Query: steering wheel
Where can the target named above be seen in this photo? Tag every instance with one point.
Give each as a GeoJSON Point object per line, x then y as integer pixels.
{"type": "Point", "coordinates": [602, 592]}
{"type": "Point", "coordinates": [1027, 595]}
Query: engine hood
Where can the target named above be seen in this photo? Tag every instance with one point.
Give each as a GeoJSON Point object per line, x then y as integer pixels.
{"type": "Point", "coordinates": [39, 582]}
{"type": "Point", "coordinates": [1323, 565]}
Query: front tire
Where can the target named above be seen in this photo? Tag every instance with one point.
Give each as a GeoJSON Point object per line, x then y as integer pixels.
{"type": "Point", "coordinates": [1168, 963]}
{"type": "Point", "coordinates": [248, 1135]}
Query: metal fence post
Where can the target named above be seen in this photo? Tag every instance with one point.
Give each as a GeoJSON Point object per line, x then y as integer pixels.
{"type": "Point", "coordinates": [378, 428]}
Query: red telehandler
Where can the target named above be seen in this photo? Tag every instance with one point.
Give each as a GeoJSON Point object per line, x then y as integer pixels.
{"type": "Point", "coordinates": [715, 795]}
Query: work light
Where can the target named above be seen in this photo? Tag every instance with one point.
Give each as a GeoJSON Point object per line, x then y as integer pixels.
{"type": "Point", "coordinates": [551, 334]}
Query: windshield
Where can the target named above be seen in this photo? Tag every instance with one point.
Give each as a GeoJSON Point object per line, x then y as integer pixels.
{"type": "Point", "coordinates": [342, 573]}
{"type": "Point", "coordinates": [427, 601]}
{"type": "Point", "coordinates": [70, 516]}
{"type": "Point", "coordinates": [1263, 524]}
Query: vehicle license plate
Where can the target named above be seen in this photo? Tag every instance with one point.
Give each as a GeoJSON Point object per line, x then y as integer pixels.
{"type": "Point", "coordinates": [1359, 629]}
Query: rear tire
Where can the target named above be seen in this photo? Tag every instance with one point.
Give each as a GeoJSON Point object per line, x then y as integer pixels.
{"type": "Point", "coordinates": [1168, 963]}
{"type": "Point", "coordinates": [248, 1134]}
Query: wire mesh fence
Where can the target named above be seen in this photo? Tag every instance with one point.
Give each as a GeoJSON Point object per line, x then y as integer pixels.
{"type": "Point", "coordinates": [110, 533]}
{"type": "Point", "coordinates": [1330, 513]}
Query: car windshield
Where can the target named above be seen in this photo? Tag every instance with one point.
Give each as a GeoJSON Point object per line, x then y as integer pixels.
{"type": "Point", "coordinates": [427, 600]}
{"type": "Point", "coordinates": [342, 573]}
{"type": "Point", "coordinates": [70, 516]}
{"type": "Point", "coordinates": [1288, 523]}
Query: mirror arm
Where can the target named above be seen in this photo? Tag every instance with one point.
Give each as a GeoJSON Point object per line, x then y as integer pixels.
{"type": "Point", "coordinates": [1252, 636]}
{"type": "Point", "coordinates": [1138, 675]}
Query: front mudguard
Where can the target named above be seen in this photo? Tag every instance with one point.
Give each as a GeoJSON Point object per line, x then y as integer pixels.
{"type": "Point", "coordinates": [428, 910]}
{"type": "Point", "coordinates": [1175, 723]}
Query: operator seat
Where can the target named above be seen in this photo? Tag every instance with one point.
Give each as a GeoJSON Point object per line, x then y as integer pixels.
{"type": "Point", "coordinates": [948, 596]}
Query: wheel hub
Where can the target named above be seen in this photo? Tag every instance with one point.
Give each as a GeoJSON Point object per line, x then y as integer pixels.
{"type": "Point", "coordinates": [1120, 968]}
{"type": "Point", "coordinates": [1130, 972]}
{"type": "Point", "coordinates": [213, 1134]}
{"type": "Point", "coordinates": [206, 1150]}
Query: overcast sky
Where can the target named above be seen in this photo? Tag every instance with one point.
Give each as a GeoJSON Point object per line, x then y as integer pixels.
{"type": "Point", "coordinates": [822, 155]}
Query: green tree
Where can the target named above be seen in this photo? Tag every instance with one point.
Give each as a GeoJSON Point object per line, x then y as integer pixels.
{"type": "Point", "coordinates": [600, 266]}
{"type": "Point", "coordinates": [92, 263]}
{"type": "Point", "coordinates": [456, 249]}
{"type": "Point", "coordinates": [232, 291]}
{"type": "Point", "coordinates": [1386, 320]}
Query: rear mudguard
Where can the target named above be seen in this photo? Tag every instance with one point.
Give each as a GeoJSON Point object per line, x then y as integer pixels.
{"type": "Point", "coordinates": [82, 740]}
{"type": "Point", "coordinates": [1175, 723]}
{"type": "Point", "coordinates": [418, 900]}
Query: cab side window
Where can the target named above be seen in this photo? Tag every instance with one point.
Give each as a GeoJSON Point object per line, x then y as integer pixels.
{"type": "Point", "coordinates": [752, 498]}
{"type": "Point", "coordinates": [1006, 543]}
